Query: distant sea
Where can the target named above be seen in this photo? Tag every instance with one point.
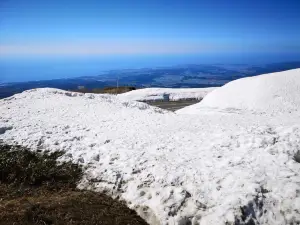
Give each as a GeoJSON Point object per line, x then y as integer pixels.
{"type": "Point", "coordinates": [31, 68]}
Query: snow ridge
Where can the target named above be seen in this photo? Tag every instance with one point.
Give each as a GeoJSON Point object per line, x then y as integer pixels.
{"type": "Point", "coordinates": [159, 94]}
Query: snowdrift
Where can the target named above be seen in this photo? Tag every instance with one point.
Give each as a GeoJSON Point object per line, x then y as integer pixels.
{"type": "Point", "coordinates": [271, 93]}
{"type": "Point", "coordinates": [158, 94]}
{"type": "Point", "coordinates": [223, 167]}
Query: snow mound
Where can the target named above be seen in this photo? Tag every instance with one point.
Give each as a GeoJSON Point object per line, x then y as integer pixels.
{"type": "Point", "coordinates": [159, 94]}
{"type": "Point", "coordinates": [268, 93]}
{"type": "Point", "coordinates": [108, 101]}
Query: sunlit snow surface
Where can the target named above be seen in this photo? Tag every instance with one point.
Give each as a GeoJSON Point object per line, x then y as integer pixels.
{"type": "Point", "coordinates": [158, 94]}
{"type": "Point", "coordinates": [226, 159]}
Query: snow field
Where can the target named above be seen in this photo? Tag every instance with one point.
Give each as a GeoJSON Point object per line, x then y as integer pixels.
{"type": "Point", "coordinates": [215, 162]}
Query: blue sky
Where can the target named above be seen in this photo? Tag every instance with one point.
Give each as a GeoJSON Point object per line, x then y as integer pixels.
{"type": "Point", "coordinates": [90, 27]}
{"type": "Point", "coordinates": [65, 38]}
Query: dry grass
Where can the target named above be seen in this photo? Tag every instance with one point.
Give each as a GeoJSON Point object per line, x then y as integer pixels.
{"type": "Point", "coordinates": [106, 90]}
{"type": "Point", "coordinates": [34, 189]}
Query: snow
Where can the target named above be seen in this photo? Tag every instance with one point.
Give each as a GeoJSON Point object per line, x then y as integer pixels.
{"type": "Point", "coordinates": [157, 94]}
{"type": "Point", "coordinates": [272, 93]}
{"type": "Point", "coordinates": [217, 164]}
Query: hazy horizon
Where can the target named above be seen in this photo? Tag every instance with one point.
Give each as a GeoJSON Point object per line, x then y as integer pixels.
{"type": "Point", "coordinates": [46, 68]}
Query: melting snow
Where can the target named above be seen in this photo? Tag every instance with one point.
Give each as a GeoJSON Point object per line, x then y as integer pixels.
{"type": "Point", "coordinates": [231, 161]}
{"type": "Point", "coordinates": [158, 94]}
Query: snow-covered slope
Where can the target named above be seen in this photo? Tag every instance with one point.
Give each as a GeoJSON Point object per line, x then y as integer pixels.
{"type": "Point", "coordinates": [271, 93]}
{"type": "Point", "coordinates": [157, 94]}
{"type": "Point", "coordinates": [224, 167]}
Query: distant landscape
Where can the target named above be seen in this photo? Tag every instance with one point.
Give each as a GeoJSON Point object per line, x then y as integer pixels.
{"type": "Point", "coordinates": [180, 76]}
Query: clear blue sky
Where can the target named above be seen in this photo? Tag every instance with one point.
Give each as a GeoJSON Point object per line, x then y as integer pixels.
{"type": "Point", "coordinates": [135, 26]}
{"type": "Point", "coordinates": [40, 38]}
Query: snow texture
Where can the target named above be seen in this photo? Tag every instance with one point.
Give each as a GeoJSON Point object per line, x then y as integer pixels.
{"type": "Point", "coordinates": [233, 164]}
{"type": "Point", "coordinates": [159, 94]}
